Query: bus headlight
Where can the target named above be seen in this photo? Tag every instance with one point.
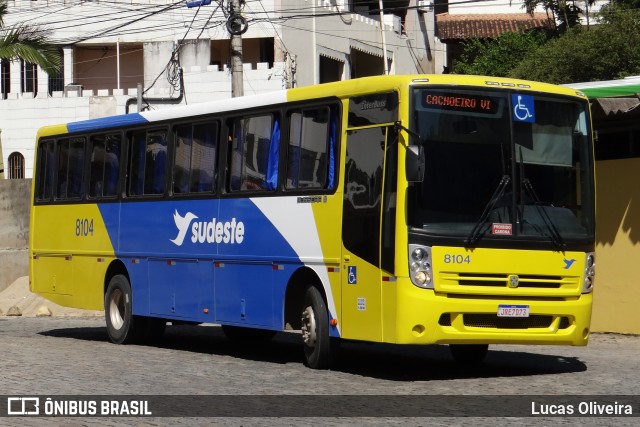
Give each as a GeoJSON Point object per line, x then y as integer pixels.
{"type": "Point", "coordinates": [589, 273]}
{"type": "Point", "coordinates": [420, 266]}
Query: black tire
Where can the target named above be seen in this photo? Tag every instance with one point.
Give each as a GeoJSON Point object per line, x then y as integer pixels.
{"type": "Point", "coordinates": [469, 354]}
{"type": "Point", "coordinates": [122, 326]}
{"type": "Point", "coordinates": [315, 330]}
{"type": "Point", "coordinates": [247, 335]}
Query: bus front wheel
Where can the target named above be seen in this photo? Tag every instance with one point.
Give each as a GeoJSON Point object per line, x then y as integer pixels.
{"type": "Point", "coordinates": [469, 354]}
{"type": "Point", "coordinates": [315, 330]}
{"type": "Point", "coordinates": [122, 326]}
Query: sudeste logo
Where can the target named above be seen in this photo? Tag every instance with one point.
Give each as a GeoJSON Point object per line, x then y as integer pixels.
{"type": "Point", "coordinates": [213, 231]}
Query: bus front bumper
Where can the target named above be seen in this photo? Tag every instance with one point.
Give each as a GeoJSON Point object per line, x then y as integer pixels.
{"type": "Point", "coordinates": [426, 317]}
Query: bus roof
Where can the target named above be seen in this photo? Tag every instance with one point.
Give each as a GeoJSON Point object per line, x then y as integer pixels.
{"type": "Point", "coordinates": [339, 89]}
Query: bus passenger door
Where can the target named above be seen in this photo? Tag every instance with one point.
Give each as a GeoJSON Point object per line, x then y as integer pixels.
{"type": "Point", "coordinates": [363, 221]}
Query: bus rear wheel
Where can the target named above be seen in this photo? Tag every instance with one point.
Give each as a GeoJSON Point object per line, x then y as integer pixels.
{"type": "Point", "coordinates": [469, 354]}
{"type": "Point", "coordinates": [122, 326]}
{"type": "Point", "coordinates": [315, 330]}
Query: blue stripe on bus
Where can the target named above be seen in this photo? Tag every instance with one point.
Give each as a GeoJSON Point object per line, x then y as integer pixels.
{"type": "Point", "coordinates": [183, 265]}
{"type": "Point", "coordinates": [106, 122]}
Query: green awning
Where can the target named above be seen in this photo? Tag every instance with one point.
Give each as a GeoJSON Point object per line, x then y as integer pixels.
{"type": "Point", "coordinates": [629, 86]}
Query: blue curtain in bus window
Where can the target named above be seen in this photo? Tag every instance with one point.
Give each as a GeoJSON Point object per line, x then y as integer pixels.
{"type": "Point", "coordinates": [332, 148]}
{"type": "Point", "coordinates": [274, 150]}
{"type": "Point", "coordinates": [112, 165]}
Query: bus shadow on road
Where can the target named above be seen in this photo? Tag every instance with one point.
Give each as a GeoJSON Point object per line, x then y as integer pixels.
{"type": "Point", "coordinates": [381, 361]}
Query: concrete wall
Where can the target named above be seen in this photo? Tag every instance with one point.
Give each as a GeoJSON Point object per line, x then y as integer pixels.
{"type": "Point", "coordinates": [14, 230]}
{"type": "Point", "coordinates": [616, 305]}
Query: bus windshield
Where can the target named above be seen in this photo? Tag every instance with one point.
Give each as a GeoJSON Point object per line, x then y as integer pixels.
{"type": "Point", "coordinates": [502, 165]}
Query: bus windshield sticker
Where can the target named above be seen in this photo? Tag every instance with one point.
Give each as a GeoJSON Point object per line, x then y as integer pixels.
{"type": "Point", "coordinates": [501, 228]}
{"type": "Point", "coordinates": [523, 108]}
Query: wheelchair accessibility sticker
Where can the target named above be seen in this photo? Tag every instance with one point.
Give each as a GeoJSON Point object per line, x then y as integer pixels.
{"type": "Point", "coordinates": [353, 275]}
{"type": "Point", "coordinates": [523, 108]}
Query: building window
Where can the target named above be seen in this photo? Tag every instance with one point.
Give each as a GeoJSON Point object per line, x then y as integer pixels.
{"type": "Point", "coordinates": [16, 166]}
{"type": "Point", "coordinates": [28, 77]}
{"type": "Point", "coordinates": [56, 81]}
{"type": "Point", "coordinates": [5, 82]}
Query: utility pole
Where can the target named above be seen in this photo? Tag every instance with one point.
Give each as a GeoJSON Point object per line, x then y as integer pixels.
{"type": "Point", "coordinates": [384, 39]}
{"type": "Point", "coordinates": [237, 82]}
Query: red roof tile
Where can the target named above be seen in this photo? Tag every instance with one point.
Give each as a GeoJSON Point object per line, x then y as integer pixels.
{"type": "Point", "coordinates": [461, 27]}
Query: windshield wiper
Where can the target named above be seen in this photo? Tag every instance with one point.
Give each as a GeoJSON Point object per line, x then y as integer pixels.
{"type": "Point", "coordinates": [476, 232]}
{"type": "Point", "coordinates": [554, 234]}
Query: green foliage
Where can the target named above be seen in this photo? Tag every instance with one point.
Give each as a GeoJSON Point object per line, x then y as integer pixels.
{"type": "Point", "coordinates": [603, 52]}
{"type": "Point", "coordinates": [497, 57]}
{"type": "Point", "coordinates": [28, 43]}
{"type": "Point", "coordinates": [629, 4]}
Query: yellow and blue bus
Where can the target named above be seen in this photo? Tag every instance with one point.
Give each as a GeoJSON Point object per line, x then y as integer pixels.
{"type": "Point", "coordinates": [426, 209]}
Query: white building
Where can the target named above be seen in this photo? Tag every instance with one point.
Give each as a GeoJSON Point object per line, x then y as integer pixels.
{"type": "Point", "coordinates": [110, 47]}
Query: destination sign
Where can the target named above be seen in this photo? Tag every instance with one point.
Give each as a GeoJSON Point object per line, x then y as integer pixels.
{"type": "Point", "coordinates": [460, 102]}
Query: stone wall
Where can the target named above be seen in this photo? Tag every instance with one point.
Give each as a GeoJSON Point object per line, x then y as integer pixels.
{"type": "Point", "coordinates": [14, 230]}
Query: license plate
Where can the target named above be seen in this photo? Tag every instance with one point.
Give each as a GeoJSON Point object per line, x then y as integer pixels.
{"type": "Point", "coordinates": [513, 311]}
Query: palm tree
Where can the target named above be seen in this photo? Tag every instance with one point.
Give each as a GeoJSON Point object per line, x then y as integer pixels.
{"type": "Point", "coordinates": [567, 12]}
{"type": "Point", "coordinates": [29, 43]}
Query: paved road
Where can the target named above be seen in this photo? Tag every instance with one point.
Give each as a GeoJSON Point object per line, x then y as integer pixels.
{"type": "Point", "coordinates": [71, 356]}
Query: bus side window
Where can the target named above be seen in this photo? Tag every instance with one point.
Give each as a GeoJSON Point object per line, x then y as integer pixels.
{"type": "Point", "coordinates": [105, 165]}
{"type": "Point", "coordinates": [255, 144]}
{"type": "Point", "coordinates": [195, 158]}
{"type": "Point", "coordinates": [45, 170]}
{"type": "Point", "coordinates": [70, 168]}
{"type": "Point", "coordinates": [148, 162]}
{"type": "Point", "coordinates": [312, 147]}
{"type": "Point", "coordinates": [156, 162]}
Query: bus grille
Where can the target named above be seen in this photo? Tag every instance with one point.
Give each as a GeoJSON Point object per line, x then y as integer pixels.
{"type": "Point", "coordinates": [493, 321]}
{"type": "Point", "coordinates": [526, 281]}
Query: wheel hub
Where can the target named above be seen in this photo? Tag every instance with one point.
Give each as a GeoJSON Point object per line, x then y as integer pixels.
{"type": "Point", "coordinates": [116, 309]}
{"type": "Point", "coordinates": [309, 327]}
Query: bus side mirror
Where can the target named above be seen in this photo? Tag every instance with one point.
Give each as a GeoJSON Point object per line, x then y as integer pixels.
{"type": "Point", "coordinates": [415, 163]}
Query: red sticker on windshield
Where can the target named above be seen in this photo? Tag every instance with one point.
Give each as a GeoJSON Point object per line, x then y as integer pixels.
{"type": "Point", "coordinates": [498, 228]}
